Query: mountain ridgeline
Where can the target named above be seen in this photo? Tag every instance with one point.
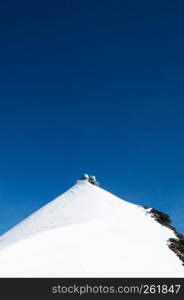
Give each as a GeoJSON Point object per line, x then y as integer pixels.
{"type": "Point", "coordinates": [89, 232]}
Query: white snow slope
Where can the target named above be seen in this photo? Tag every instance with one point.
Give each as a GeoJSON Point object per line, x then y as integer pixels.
{"type": "Point", "coordinates": [88, 232]}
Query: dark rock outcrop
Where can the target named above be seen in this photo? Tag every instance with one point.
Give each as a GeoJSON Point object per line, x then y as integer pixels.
{"type": "Point", "coordinates": [174, 244]}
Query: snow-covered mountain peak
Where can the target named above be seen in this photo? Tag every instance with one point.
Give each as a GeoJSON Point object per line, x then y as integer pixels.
{"type": "Point", "coordinates": [83, 202]}
{"type": "Point", "coordinates": [88, 231]}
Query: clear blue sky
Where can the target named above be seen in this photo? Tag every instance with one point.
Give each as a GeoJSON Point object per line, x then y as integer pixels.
{"type": "Point", "coordinates": [91, 86]}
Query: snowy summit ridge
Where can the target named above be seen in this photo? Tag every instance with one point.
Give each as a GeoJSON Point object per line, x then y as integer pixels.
{"type": "Point", "coordinates": [88, 232]}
